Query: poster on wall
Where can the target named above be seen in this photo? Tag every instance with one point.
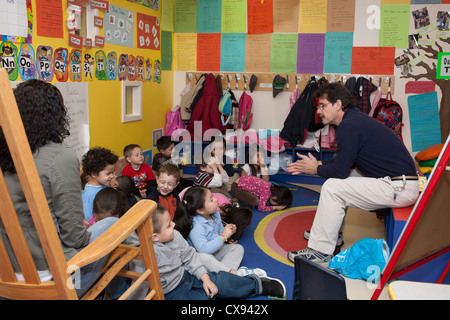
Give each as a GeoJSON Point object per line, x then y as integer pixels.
{"type": "Point", "coordinates": [443, 65]}
{"type": "Point", "coordinates": [88, 65]}
{"type": "Point", "coordinates": [119, 26]}
{"type": "Point", "coordinates": [148, 35]}
{"type": "Point", "coordinates": [100, 65]}
{"type": "Point", "coordinates": [232, 57]}
{"type": "Point", "coordinates": [8, 59]}
{"type": "Point", "coordinates": [49, 18]}
{"type": "Point", "coordinates": [131, 68]}
{"type": "Point", "coordinates": [111, 66]}
{"type": "Point", "coordinates": [166, 50]}
{"type": "Point", "coordinates": [424, 120]}
{"type": "Point", "coordinates": [27, 62]}
{"type": "Point", "coordinates": [61, 57]}
{"type": "Point", "coordinates": [140, 68]}
{"type": "Point", "coordinates": [75, 65]}
{"type": "Point", "coordinates": [148, 69]}
{"type": "Point", "coordinates": [44, 62]}
{"type": "Point", "coordinates": [122, 67]}
{"type": "Point", "coordinates": [338, 52]}
{"type": "Point", "coordinates": [311, 49]}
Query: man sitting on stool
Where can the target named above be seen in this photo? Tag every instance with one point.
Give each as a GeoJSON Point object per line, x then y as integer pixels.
{"type": "Point", "coordinates": [387, 175]}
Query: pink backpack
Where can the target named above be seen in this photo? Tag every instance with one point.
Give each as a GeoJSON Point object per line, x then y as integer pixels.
{"type": "Point", "coordinates": [245, 111]}
{"type": "Point", "coordinates": [173, 121]}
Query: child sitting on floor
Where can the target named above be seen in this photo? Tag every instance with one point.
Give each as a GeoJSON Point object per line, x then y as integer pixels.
{"type": "Point", "coordinates": [138, 170]}
{"type": "Point", "coordinates": [199, 221]}
{"type": "Point", "coordinates": [98, 165]}
{"type": "Point", "coordinates": [126, 185]}
{"type": "Point", "coordinates": [241, 217]}
{"type": "Point", "coordinates": [254, 163]}
{"type": "Point", "coordinates": [184, 277]}
{"type": "Point", "coordinates": [108, 202]}
{"type": "Point", "coordinates": [211, 174]}
{"type": "Point", "coordinates": [218, 147]}
{"type": "Point", "coordinates": [167, 180]}
{"type": "Point", "coordinates": [165, 146]}
{"type": "Point", "coordinates": [269, 196]}
{"type": "Point", "coordinates": [255, 166]}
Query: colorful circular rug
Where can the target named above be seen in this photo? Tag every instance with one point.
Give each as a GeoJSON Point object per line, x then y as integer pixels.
{"type": "Point", "coordinates": [270, 236]}
{"type": "Point", "coordinates": [282, 231]}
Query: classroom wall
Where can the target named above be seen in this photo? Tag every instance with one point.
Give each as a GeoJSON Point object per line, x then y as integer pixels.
{"type": "Point", "coordinates": [105, 111]}
{"type": "Point", "coordinates": [270, 113]}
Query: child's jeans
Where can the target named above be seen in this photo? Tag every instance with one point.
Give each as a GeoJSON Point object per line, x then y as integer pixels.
{"type": "Point", "coordinates": [228, 285]}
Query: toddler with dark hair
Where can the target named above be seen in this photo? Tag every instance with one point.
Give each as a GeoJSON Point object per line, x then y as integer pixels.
{"type": "Point", "coordinates": [98, 165]}
{"type": "Point", "coordinates": [126, 185]}
{"type": "Point", "coordinates": [141, 173]}
{"type": "Point", "coordinates": [269, 196]}
{"type": "Point", "coordinates": [184, 276]}
{"type": "Point", "coordinates": [108, 202]}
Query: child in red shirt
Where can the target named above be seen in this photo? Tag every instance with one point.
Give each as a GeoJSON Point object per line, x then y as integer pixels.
{"type": "Point", "coordinates": [140, 172]}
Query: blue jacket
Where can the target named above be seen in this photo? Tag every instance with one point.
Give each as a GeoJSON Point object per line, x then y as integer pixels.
{"type": "Point", "coordinates": [370, 147]}
{"type": "Point", "coordinates": [205, 233]}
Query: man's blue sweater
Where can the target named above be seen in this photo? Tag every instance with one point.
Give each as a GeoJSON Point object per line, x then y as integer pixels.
{"type": "Point", "coordinates": [370, 147]}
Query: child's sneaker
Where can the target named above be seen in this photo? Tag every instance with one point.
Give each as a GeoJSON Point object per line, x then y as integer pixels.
{"type": "Point", "coordinates": [244, 271]}
{"type": "Point", "coordinates": [273, 287]}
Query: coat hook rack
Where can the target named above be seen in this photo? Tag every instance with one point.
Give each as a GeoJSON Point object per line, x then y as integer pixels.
{"type": "Point", "coordinates": [386, 83]}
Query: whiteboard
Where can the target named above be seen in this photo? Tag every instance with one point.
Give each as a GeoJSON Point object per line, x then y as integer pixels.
{"type": "Point", "coordinates": [76, 99]}
{"type": "Point", "coordinates": [13, 18]}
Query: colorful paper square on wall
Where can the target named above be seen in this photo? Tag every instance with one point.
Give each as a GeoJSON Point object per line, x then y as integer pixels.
{"type": "Point", "coordinates": [148, 31]}
{"type": "Point", "coordinates": [119, 26]}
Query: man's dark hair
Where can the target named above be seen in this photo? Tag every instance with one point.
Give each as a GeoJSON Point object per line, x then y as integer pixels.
{"type": "Point", "coordinates": [334, 92]}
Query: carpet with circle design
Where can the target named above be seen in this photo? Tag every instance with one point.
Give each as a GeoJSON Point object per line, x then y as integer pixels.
{"type": "Point", "coordinates": [270, 236]}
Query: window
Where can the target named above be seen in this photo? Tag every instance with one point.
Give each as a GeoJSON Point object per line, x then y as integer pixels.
{"type": "Point", "coordinates": [131, 101]}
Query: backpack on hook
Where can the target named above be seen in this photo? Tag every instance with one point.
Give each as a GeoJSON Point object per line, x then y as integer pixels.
{"type": "Point", "coordinates": [390, 114]}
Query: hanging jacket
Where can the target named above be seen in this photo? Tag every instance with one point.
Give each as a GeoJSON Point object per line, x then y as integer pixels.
{"type": "Point", "coordinates": [190, 95]}
{"type": "Point", "coordinates": [362, 91]}
{"type": "Point", "coordinates": [207, 109]}
{"type": "Point", "coordinates": [297, 122]}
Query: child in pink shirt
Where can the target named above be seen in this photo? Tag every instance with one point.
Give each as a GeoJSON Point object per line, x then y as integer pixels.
{"type": "Point", "coordinates": [271, 196]}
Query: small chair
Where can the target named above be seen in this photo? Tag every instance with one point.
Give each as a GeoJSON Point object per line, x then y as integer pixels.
{"type": "Point", "coordinates": [61, 286]}
{"type": "Point", "coordinates": [314, 282]}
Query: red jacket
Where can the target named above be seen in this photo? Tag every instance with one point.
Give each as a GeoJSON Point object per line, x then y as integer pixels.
{"type": "Point", "coordinates": [207, 109]}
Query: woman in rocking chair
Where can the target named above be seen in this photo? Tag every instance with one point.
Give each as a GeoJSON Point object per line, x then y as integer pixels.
{"type": "Point", "coordinates": [46, 123]}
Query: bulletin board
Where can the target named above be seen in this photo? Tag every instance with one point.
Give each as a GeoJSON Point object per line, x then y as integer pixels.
{"type": "Point", "coordinates": [279, 36]}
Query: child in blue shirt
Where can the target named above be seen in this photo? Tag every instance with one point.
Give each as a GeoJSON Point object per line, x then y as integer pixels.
{"type": "Point", "coordinates": [98, 166]}
{"type": "Point", "coordinates": [198, 220]}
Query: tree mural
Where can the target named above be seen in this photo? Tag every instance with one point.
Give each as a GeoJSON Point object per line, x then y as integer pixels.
{"type": "Point", "coordinates": [429, 72]}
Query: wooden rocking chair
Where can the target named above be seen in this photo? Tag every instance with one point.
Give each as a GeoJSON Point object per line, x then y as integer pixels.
{"type": "Point", "coordinates": [61, 286]}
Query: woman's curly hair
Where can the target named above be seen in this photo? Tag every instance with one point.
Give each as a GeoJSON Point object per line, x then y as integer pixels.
{"type": "Point", "coordinates": [44, 116]}
{"type": "Point", "coordinates": [96, 159]}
